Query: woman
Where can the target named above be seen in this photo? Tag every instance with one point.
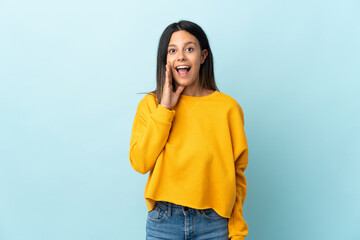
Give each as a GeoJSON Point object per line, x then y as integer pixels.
{"type": "Point", "coordinates": [191, 138]}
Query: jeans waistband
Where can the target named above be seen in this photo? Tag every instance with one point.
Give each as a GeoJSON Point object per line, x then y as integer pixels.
{"type": "Point", "coordinates": [169, 207]}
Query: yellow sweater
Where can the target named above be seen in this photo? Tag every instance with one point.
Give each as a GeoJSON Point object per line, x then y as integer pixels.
{"type": "Point", "coordinates": [196, 154]}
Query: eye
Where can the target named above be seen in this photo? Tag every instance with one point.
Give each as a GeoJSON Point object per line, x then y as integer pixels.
{"type": "Point", "coordinates": [171, 50]}
{"type": "Point", "coordinates": [190, 49]}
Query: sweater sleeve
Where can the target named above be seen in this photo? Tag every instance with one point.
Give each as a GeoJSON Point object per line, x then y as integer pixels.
{"type": "Point", "coordinates": [149, 134]}
{"type": "Point", "coordinates": [238, 228]}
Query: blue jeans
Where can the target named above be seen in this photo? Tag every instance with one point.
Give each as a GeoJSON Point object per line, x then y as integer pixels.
{"type": "Point", "coordinates": [174, 222]}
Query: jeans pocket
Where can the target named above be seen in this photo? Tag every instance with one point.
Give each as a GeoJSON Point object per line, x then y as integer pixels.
{"type": "Point", "coordinates": [211, 214]}
{"type": "Point", "coordinates": [157, 215]}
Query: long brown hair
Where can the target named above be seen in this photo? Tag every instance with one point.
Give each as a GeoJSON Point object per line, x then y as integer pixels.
{"type": "Point", "coordinates": [206, 72]}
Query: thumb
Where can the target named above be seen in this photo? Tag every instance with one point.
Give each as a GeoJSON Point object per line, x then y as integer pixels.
{"type": "Point", "coordinates": [179, 90]}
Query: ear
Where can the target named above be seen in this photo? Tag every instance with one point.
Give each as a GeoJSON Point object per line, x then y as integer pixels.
{"type": "Point", "coordinates": [204, 54]}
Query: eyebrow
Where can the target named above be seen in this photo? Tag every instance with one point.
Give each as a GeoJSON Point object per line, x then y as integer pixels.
{"type": "Point", "coordinates": [173, 45]}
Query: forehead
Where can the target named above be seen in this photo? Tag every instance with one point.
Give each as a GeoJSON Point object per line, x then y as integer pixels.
{"type": "Point", "coordinates": [181, 37]}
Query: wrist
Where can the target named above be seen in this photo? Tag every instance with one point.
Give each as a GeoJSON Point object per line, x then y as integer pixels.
{"type": "Point", "coordinates": [165, 106]}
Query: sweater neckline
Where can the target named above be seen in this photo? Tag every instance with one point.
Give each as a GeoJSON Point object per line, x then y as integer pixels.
{"type": "Point", "coordinates": [192, 98]}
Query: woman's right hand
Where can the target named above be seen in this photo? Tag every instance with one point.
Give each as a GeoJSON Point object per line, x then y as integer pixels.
{"type": "Point", "coordinates": [170, 98]}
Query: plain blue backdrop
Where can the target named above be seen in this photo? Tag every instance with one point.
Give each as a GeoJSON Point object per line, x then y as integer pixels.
{"type": "Point", "coordinates": [70, 72]}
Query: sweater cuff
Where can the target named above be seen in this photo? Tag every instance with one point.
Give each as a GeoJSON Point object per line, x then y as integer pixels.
{"type": "Point", "coordinates": [163, 114]}
{"type": "Point", "coordinates": [238, 238]}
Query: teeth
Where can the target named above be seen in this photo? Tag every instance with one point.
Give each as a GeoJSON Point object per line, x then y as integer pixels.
{"type": "Point", "coordinates": [182, 67]}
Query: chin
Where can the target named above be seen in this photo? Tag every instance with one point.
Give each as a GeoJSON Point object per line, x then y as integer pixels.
{"type": "Point", "coordinates": [184, 82]}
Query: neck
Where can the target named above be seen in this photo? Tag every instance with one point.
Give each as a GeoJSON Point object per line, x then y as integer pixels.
{"type": "Point", "coordinates": [194, 92]}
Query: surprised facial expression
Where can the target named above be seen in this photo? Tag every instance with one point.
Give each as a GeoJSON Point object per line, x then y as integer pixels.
{"type": "Point", "coordinates": [185, 56]}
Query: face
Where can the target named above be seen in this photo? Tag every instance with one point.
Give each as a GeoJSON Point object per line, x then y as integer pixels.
{"type": "Point", "coordinates": [185, 56]}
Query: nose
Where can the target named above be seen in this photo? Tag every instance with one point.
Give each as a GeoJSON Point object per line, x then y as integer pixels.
{"type": "Point", "coordinates": [181, 56]}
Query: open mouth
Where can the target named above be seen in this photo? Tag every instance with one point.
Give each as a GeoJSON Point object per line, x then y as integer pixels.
{"type": "Point", "coordinates": [183, 70]}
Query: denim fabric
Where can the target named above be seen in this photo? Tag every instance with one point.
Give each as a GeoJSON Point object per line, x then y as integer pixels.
{"type": "Point", "coordinates": [175, 222]}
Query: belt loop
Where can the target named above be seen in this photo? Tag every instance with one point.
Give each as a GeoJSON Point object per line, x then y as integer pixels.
{"type": "Point", "coordinates": [198, 212]}
{"type": "Point", "coordinates": [169, 209]}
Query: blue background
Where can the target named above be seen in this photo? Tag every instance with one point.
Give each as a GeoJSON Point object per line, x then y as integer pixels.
{"type": "Point", "coordinates": [69, 74]}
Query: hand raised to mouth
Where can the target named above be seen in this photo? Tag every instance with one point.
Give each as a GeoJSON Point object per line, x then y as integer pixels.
{"type": "Point", "coordinates": [170, 98]}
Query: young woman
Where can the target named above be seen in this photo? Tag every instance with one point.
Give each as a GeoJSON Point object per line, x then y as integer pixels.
{"type": "Point", "coordinates": [191, 138]}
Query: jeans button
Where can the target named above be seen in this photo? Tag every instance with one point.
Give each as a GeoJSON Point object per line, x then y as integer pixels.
{"type": "Point", "coordinates": [186, 208]}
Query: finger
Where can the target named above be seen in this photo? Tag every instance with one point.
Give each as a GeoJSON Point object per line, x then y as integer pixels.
{"type": "Point", "coordinates": [169, 76]}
